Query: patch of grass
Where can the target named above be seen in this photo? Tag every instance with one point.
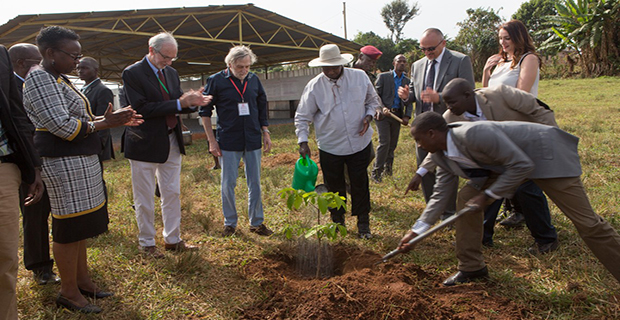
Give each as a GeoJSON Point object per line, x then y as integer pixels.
{"type": "Point", "coordinates": [210, 283]}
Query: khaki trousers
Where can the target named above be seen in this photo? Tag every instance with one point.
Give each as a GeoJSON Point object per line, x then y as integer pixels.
{"type": "Point", "coordinates": [570, 196]}
{"type": "Point", "coordinates": [9, 238]}
{"type": "Point", "coordinates": [469, 230]}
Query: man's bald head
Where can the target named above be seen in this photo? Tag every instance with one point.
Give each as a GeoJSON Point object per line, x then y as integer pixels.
{"type": "Point", "coordinates": [23, 57]}
{"type": "Point", "coordinates": [459, 96]}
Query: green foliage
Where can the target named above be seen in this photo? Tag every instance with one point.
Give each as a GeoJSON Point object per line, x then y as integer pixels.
{"type": "Point", "coordinates": [591, 29]}
{"type": "Point", "coordinates": [324, 201]}
{"type": "Point", "coordinates": [478, 37]}
{"type": "Point", "coordinates": [532, 14]}
{"type": "Point", "coordinates": [408, 47]}
{"type": "Point", "coordinates": [396, 14]}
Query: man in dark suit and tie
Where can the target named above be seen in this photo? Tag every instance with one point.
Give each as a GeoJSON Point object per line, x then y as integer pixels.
{"type": "Point", "coordinates": [100, 98]}
{"type": "Point", "coordinates": [19, 162]}
{"type": "Point", "coordinates": [429, 76]}
{"type": "Point", "coordinates": [496, 157]}
{"type": "Point", "coordinates": [34, 217]}
{"type": "Point", "coordinates": [389, 128]}
{"type": "Point", "coordinates": [154, 148]}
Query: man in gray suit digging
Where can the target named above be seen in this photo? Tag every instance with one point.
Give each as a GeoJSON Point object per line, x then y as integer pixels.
{"type": "Point", "coordinates": [496, 157]}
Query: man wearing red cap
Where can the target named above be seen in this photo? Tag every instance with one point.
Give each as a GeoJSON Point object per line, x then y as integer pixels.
{"type": "Point", "coordinates": [367, 60]}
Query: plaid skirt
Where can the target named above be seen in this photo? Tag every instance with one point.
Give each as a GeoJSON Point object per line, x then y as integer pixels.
{"type": "Point", "coordinates": [77, 197]}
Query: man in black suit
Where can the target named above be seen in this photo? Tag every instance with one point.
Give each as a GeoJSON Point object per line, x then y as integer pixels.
{"type": "Point", "coordinates": [18, 162]}
{"type": "Point", "coordinates": [100, 98]}
{"type": "Point", "coordinates": [34, 217]}
{"type": "Point", "coordinates": [154, 148]}
{"type": "Point", "coordinates": [388, 127]}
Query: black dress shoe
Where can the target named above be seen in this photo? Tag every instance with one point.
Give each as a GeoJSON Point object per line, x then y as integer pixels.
{"type": "Point", "coordinates": [538, 248]}
{"type": "Point", "coordinates": [46, 277]}
{"type": "Point", "coordinates": [96, 295]}
{"type": "Point", "coordinates": [88, 308]}
{"type": "Point", "coordinates": [466, 276]}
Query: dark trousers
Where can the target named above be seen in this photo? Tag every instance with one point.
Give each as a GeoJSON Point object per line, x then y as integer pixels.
{"type": "Point", "coordinates": [535, 209]}
{"type": "Point", "coordinates": [389, 131]}
{"type": "Point", "coordinates": [36, 232]}
{"type": "Point", "coordinates": [333, 174]}
{"type": "Point", "coordinates": [428, 183]}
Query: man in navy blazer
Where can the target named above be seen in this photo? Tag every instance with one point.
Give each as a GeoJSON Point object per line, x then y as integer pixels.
{"type": "Point", "coordinates": [19, 162]}
{"type": "Point", "coordinates": [154, 148]}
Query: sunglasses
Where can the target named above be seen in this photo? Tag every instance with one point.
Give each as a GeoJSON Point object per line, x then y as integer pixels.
{"type": "Point", "coordinates": [429, 49]}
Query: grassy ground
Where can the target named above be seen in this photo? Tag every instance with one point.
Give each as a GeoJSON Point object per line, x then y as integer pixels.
{"type": "Point", "coordinates": [210, 284]}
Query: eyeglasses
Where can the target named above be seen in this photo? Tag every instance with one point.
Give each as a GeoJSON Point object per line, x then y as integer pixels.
{"type": "Point", "coordinates": [166, 57]}
{"type": "Point", "coordinates": [429, 49]}
{"type": "Point", "coordinates": [75, 57]}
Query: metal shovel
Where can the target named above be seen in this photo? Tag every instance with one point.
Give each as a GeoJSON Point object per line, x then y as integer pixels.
{"type": "Point", "coordinates": [430, 231]}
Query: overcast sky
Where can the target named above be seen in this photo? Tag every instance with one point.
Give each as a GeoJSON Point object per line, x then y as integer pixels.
{"type": "Point", "coordinates": [326, 15]}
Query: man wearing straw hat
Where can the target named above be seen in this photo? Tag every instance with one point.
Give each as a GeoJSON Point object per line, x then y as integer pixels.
{"type": "Point", "coordinates": [340, 102]}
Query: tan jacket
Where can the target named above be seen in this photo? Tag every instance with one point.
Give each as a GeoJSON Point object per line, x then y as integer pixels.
{"type": "Point", "coordinates": [503, 103]}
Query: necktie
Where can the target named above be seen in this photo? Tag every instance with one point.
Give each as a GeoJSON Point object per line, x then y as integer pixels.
{"type": "Point", "coordinates": [429, 83]}
{"type": "Point", "coordinates": [171, 119]}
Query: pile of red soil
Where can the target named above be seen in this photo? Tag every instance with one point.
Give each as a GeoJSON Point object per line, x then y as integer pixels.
{"type": "Point", "coordinates": [362, 290]}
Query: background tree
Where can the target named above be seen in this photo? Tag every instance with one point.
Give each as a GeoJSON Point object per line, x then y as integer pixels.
{"type": "Point", "coordinates": [590, 28]}
{"type": "Point", "coordinates": [477, 37]}
{"type": "Point", "coordinates": [396, 14]}
{"type": "Point", "coordinates": [532, 14]}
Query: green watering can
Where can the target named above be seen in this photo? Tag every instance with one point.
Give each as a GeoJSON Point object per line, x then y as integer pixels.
{"type": "Point", "coordinates": [305, 174]}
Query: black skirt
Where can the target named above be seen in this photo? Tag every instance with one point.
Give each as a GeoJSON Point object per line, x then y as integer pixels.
{"type": "Point", "coordinates": [81, 227]}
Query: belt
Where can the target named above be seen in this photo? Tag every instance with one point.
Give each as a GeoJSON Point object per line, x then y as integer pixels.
{"type": "Point", "coordinates": [170, 131]}
{"type": "Point", "coordinates": [396, 110]}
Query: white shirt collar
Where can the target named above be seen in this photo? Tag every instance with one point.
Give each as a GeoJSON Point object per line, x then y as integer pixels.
{"type": "Point", "coordinates": [479, 116]}
{"type": "Point", "coordinates": [20, 77]}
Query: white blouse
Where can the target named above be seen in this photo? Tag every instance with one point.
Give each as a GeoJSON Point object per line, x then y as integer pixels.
{"type": "Point", "coordinates": [503, 74]}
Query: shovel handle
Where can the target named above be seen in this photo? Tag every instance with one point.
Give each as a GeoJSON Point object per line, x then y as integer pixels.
{"type": "Point", "coordinates": [432, 230]}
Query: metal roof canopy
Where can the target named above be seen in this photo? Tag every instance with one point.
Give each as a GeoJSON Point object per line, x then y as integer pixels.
{"type": "Point", "coordinates": [205, 34]}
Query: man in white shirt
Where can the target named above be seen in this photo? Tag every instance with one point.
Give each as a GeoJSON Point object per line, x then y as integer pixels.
{"type": "Point", "coordinates": [340, 102]}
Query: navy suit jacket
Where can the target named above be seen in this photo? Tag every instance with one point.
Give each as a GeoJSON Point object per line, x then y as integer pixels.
{"type": "Point", "coordinates": [149, 141]}
{"type": "Point", "coordinates": [15, 122]}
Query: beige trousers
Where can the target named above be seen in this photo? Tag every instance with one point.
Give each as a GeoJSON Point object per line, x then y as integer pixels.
{"type": "Point", "coordinates": [9, 238]}
{"type": "Point", "coordinates": [570, 197]}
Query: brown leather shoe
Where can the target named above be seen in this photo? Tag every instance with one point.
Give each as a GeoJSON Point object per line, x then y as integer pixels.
{"type": "Point", "coordinates": [180, 247]}
{"type": "Point", "coordinates": [261, 230]}
{"type": "Point", "coordinates": [151, 251]}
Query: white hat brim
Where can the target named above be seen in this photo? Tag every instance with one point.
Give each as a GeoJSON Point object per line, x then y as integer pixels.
{"type": "Point", "coordinates": [344, 59]}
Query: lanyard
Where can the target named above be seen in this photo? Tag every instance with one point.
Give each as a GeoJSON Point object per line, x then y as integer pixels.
{"type": "Point", "coordinates": [162, 85]}
{"type": "Point", "coordinates": [245, 86]}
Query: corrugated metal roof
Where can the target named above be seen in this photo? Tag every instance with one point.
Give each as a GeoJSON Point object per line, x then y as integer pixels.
{"type": "Point", "coordinates": [205, 34]}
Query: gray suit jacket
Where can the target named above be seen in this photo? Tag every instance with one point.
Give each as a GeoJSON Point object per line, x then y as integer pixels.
{"type": "Point", "coordinates": [513, 150]}
{"type": "Point", "coordinates": [385, 90]}
{"type": "Point", "coordinates": [453, 65]}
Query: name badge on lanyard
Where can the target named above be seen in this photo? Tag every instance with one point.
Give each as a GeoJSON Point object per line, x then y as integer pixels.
{"type": "Point", "coordinates": [244, 107]}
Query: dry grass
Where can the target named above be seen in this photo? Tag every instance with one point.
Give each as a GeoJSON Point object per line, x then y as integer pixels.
{"type": "Point", "coordinates": [211, 284]}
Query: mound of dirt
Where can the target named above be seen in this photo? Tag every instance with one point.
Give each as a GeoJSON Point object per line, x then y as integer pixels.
{"type": "Point", "coordinates": [362, 290]}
